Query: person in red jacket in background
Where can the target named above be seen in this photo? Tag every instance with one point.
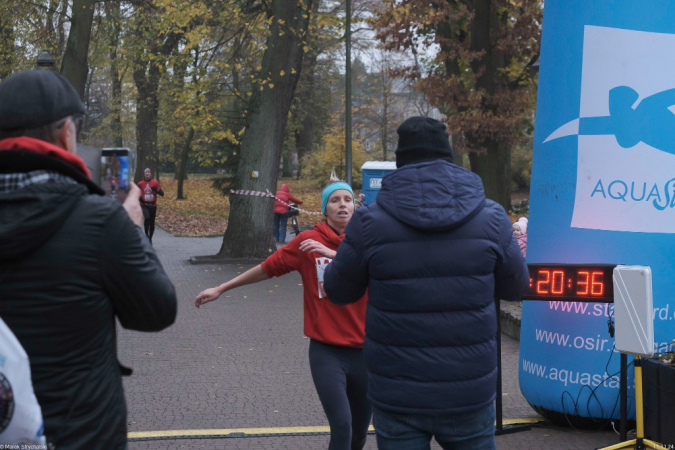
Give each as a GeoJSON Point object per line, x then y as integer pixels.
{"type": "Point", "coordinates": [149, 190]}
{"type": "Point", "coordinates": [281, 212]}
{"type": "Point", "coordinates": [337, 332]}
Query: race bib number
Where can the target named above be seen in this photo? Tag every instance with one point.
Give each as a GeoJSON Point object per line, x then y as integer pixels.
{"type": "Point", "coordinates": [321, 264]}
{"type": "Point", "coordinates": [148, 196]}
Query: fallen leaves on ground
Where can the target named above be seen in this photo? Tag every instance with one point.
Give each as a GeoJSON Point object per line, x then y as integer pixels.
{"type": "Point", "coordinates": [203, 213]}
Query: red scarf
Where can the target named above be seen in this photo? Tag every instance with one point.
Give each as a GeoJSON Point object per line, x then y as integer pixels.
{"type": "Point", "coordinates": [45, 148]}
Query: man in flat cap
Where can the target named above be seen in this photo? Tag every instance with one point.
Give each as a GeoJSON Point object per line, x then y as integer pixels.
{"type": "Point", "coordinates": [71, 260]}
{"type": "Point", "coordinates": [433, 253]}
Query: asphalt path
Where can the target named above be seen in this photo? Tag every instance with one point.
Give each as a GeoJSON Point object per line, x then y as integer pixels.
{"type": "Point", "coordinates": [234, 374]}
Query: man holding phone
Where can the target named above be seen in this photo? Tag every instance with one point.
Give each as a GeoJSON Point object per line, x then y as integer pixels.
{"type": "Point", "coordinates": [149, 190]}
{"type": "Point", "coordinates": [71, 260]}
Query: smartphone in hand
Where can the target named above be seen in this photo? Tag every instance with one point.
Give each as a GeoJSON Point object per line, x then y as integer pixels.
{"type": "Point", "coordinates": [115, 172]}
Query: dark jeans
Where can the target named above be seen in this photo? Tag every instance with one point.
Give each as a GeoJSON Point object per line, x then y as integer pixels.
{"type": "Point", "coordinates": [340, 378]}
{"type": "Point", "coordinates": [470, 431]}
{"type": "Point", "coordinates": [149, 214]}
{"type": "Point", "coordinates": [280, 223]}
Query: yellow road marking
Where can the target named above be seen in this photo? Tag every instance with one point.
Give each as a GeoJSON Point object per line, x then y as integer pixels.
{"type": "Point", "coordinates": [226, 431]}
{"type": "Point", "coordinates": [523, 420]}
{"type": "Point", "coordinates": [278, 430]}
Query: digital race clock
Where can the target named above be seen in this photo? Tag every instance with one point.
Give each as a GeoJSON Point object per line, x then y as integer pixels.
{"type": "Point", "coordinates": [571, 282]}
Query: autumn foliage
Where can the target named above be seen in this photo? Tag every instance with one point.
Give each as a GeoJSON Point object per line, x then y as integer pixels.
{"type": "Point", "coordinates": [472, 61]}
{"type": "Point", "coordinates": [479, 78]}
{"type": "Point", "coordinates": [330, 156]}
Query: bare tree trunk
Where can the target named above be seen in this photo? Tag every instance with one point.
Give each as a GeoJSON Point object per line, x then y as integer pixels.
{"type": "Point", "coordinates": [147, 107]}
{"type": "Point", "coordinates": [494, 166]}
{"type": "Point", "coordinates": [180, 149]}
{"type": "Point", "coordinates": [50, 29]}
{"type": "Point", "coordinates": [6, 39]}
{"type": "Point", "coordinates": [113, 15]}
{"type": "Point", "coordinates": [304, 137]}
{"type": "Point", "coordinates": [384, 131]}
{"type": "Point", "coordinates": [500, 168]}
{"type": "Point", "coordinates": [147, 75]}
{"type": "Point", "coordinates": [287, 165]}
{"type": "Point", "coordinates": [304, 140]}
{"type": "Point", "coordinates": [117, 134]}
{"type": "Point", "coordinates": [182, 171]}
{"type": "Point", "coordinates": [385, 88]}
{"type": "Point", "coordinates": [74, 66]}
{"type": "Point", "coordinates": [61, 29]}
{"type": "Point", "coordinates": [249, 232]}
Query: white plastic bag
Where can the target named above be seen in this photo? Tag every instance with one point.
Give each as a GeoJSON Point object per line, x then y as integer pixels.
{"type": "Point", "coordinates": [20, 414]}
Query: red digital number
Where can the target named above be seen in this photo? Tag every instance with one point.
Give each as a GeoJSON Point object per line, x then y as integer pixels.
{"type": "Point", "coordinates": [543, 282]}
{"type": "Point", "coordinates": [597, 284]}
{"type": "Point", "coordinates": [571, 282]}
{"type": "Point", "coordinates": [557, 287]}
{"type": "Point", "coordinates": [583, 282]}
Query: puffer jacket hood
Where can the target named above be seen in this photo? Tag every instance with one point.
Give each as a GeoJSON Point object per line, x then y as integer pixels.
{"type": "Point", "coordinates": [284, 187]}
{"type": "Point", "coordinates": [30, 216]}
{"type": "Point", "coordinates": [432, 196]}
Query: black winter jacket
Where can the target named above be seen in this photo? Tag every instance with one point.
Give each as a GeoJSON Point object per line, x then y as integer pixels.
{"type": "Point", "coordinates": [70, 262]}
{"type": "Point", "coordinates": [433, 254]}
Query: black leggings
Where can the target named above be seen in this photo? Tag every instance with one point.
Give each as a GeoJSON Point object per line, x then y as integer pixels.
{"type": "Point", "coordinates": [339, 375]}
{"type": "Point", "coordinates": [149, 214]}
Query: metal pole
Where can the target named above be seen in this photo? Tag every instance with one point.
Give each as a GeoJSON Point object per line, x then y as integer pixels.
{"type": "Point", "coordinates": [348, 92]}
{"type": "Point", "coordinates": [499, 425]}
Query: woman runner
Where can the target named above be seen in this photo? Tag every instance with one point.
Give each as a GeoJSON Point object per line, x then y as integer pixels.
{"type": "Point", "coordinates": [336, 332]}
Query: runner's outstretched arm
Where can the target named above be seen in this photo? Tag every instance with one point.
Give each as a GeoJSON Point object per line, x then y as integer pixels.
{"type": "Point", "coordinates": [251, 276]}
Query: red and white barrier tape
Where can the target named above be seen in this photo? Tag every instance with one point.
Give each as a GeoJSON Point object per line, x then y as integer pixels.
{"type": "Point", "coordinates": [269, 194]}
{"type": "Point", "coordinates": [253, 193]}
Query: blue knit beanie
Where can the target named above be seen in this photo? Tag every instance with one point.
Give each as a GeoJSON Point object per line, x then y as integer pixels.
{"type": "Point", "coordinates": [328, 190]}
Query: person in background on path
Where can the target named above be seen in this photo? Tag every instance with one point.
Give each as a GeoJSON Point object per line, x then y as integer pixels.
{"type": "Point", "coordinates": [71, 260]}
{"type": "Point", "coordinates": [336, 332]}
{"type": "Point", "coordinates": [150, 189]}
{"type": "Point", "coordinates": [281, 212]}
{"type": "Point", "coordinates": [433, 254]}
{"type": "Point", "coordinates": [362, 199]}
{"type": "Point", "coordinates": [520, 230]}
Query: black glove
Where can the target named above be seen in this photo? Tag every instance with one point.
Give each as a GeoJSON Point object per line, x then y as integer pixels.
{"type": "Point", "coordinates": [154, 189]}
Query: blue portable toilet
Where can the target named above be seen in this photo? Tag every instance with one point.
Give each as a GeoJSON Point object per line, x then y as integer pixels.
{"type": "Point", "coordinates": [372, 173]}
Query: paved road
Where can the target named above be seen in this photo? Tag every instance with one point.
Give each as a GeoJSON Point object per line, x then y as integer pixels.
{"type": "Point", "coordinates": [241, 362]}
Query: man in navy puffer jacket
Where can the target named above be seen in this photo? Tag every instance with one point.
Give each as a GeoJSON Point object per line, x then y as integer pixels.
{"type": "Point", "coordinates": [433, 253]}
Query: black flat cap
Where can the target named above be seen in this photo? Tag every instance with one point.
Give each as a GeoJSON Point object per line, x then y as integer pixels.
{"type": "Point", "coordinates": [36, 97]}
